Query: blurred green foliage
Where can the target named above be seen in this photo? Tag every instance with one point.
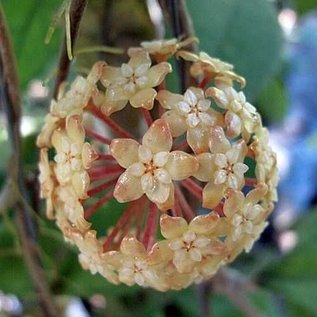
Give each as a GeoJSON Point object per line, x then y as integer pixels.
{"type": "Point", "coordinates": [242, 32]}
{"type": "Point", "coordinates": [29, 22]}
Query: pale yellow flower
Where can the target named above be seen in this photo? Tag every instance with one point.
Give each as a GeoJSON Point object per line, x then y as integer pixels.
{"type": "Point", "coordinates": [73, 156]}
{"type": "Point", "coordinates": [245, 214]}
{"type": "Point", "coordinates": [76, 98]}
{"type": "Point", "coordinates": [66, 202]}
{"type": "Point", "coordinates": [151, 167]}
{"type": "Point", "coordinates": [132, 82]}
{"type": "Point", "coordinates": [190, 242]}
{"type": "Point", "coordinates": [47, 182]}
{"type": "Point", "coordinates": [190, 113]}
{"type": "Point", "coordinates": [223, 168]}
{"type": "Point", "coordinates": [240, 116]}
{"type": "Point", "coordinates": [164, 49]}
{"type": "Point", "coordinates": [211, 68]}
{"type": "Point", "coordinates": [266, 168]}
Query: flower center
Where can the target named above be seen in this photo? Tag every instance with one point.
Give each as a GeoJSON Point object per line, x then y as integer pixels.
{"type": "Point", "coordinates": [150, 167]}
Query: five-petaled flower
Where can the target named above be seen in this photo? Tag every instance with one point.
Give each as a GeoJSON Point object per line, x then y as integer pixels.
{"type": "Point", "coordinates": [191, 113]}
{"type": "Point", "coordinates": [73, 156]}
{"type": "Point", "coordinates": [151, 167]}
{"type": "Point", "coordinates": [131, 82]}
{"type": "Point", "coordinates": [245, 215]}
{"type": "Point", "coordinates": [211, 68]}
{"type": "Point", "coordinates": [240, 116]}
{"type": "Point", "coordinates": [191, 242]}
{"type": "Point", "coordinates": [223, 168]}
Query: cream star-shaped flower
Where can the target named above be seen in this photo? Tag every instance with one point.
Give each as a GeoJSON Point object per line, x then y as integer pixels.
{"type": "Point", "coordinates": [151, 167]}
{"type": "Point", "coordinates": [191, 113]}
{"type": "Point", "coordinates": [47, 182]}
{"type": "Point", "coordinates": [73, 156]}
{"type": "Point", "coordinates": [164, 49]}
{"type": "Point", "coordinates": [241, 116]}
{"type": "Point", "coordinates": [131, 82]}
{"type": "Point", "coordinates": [211, 68]}
{"type": "Point", "coordinates": [244, 213]}
{"type": "Point", "coordinates": [223, 168]}
{"type": "Point", "coordinates": [191, 242]}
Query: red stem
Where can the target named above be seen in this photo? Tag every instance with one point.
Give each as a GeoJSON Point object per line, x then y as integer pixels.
{"type": "Point", "coordinates": [97, 136]}
{"type": "Point", "coordinates": [105, 157]}
{"type": "Point", "coordinates": [177, 210]}
{"type": "Point", "coordinates": [250, 181]}
{"type": "Point", "coordinates": [147, 116]}
{"type": "Point", "coordinates": [99, 203]}
{"type": "Point", "coordinates": [203, 83]}
{"type": "Point", "coordinates": [192, 187]}
{"type": "Point", "coordinates": [123, 219]}
{"type": "Point", "coordinates": [149, 233]}
{"type": "Point", "coordinates": [219, 209]}
{"type": "Point", "coordinates": [181, 146]}
{"type": "Point", "coordinates": [112, 125]}
{"type": "Point", "coordinates": [101, 187]}
{"type": "Point", "coordinates": [97, 177]}
{"type": "Point", "coordinates": [188, 211]}
{"type": "Point", "coordinates": [97, 173]}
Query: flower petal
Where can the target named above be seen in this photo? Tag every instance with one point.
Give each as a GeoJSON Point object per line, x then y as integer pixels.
{"type": "Point", "coordinates": [256, 194]}
{"type": "Point", "coordinates": [168, 100]}
{"type": "Point", "coordinates": [172, 227]}
{"type": "Point", "coordinates": [147, 182]}
{"type": "Point", "coordinates": [125, 151]}
{"type": "Point", "coordinates": [198, 139]}
{"type": "Point", "coordinates": [204, 224]}
{"type": "Point", "coordinates": [158, 137]}
{"type": "Point", "coordinates": [159, 253]}
{"type": "Point", "coordinates": [181, 165]}
{"type": "Point", "coordinates": [143, 98]}
{"type": "Point", "coordinates": [75, 129]}
{"type": "Point", "coordinates": [128, 188]}
{"type": "Point", "coordinates": [234, 125]}
{"type": "Point", "coordinates": [131, 246]}
{"type": "Point", "coordinates": [169, 203]}
{"type": "Point", "coordinates": [88, 155]}
{"type": "Point", "coordinates": [218, 141]}
{"type": "Point", "coordinates": [163, 176]}
{"type": "Point", "coordinates": [157, 74]}
{"type": "Point", "coordinates": [206, 168]}
{"type": "Point", "coordinates": [233, 203]}
{"type": "Point", "coordinates": [159, 192]}
{"type": "Point", "coordinates": [138, 57]}
{"type": "Point", "coordinates": [176, 122]}
{"type": "Point", "coordinates": [81, 182]}
{"type": "Point", "coordinates": [212, 194]}
{"type": "Point", "coordinates": [109, 75]}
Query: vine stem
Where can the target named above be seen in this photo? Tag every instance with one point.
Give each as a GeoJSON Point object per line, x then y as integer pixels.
{"type": "Point", "coordinates": [97, 136]}
{"type": "Point", "coordinates": [100, 188]}
{"type": "Point", "coordinates": [121, 222]}
{"type": "Point", "coordinates": [192, 187]}
{"type": "Point", "coordinates": [98, 204]}
{"type": "Point", "coordinates": [76, 12]}
{"type": "Point", "coordinates": [11, 101]}
{"type": "Point", "coordinates": [112, 125]}
{"type": "Point", "coordinates": [149, 233]}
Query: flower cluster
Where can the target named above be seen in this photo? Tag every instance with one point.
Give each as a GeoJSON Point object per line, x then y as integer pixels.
{"type": "Point", "coordinates": [197, 187]}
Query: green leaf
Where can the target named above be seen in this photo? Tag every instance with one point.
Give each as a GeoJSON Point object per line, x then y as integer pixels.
{"type": "Point", "coordinates": [272, 101]}
{"type": "Point", "coordinates": [299, 292]}
{"type": "Point", "coordinates": [302, 6]}
{"type": "Point", "coordinates": [28, 23]}
{"type": "Point", "coordinates": [294, 275]}
{"type": "Point", "coordinates": [245, 33]}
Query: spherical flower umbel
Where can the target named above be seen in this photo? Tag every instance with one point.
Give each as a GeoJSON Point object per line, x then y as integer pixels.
{"type": "Point", "coordinates": [195, 189]}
